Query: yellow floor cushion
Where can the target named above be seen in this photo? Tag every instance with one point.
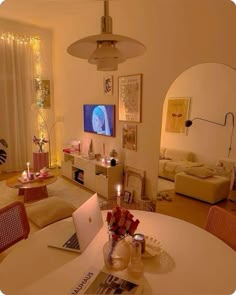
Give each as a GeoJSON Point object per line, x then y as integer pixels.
{"type": "Point", "coordinates": [47, 211]}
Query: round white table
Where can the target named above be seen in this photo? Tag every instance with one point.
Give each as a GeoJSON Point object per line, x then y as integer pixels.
{"type": "Point", "coordinates": [193, 261]}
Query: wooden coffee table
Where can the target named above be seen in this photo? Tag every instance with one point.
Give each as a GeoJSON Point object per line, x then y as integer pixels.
{"type": "Point", "coordinates": [32, 190]}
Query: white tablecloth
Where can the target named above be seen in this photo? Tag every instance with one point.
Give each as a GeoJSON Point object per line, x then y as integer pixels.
{"type": "Point", "coordinates": [193, 261]}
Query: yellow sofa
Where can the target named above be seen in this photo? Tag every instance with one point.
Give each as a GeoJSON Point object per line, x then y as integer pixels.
{"type": "Point", "coordinates": [173, 161]}
{"type": "Point", "coordinates": [211, 189]}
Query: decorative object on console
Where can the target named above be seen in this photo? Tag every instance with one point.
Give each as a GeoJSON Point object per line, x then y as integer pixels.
{"type": "Point", "coordinates": [99, 119]}
{"type": "Point", "coordinates": [90, 150]}
{"type": "Point", "coordinates": [189, 123]}
{"type": "Point", "coordinates": [76, 145]}
{"type": "Point", "coordinates": [177, 113]}
{"type": "Point", "coordinates": [113, 162]}
{"type": "Point", "coordinates": [117, 250]}
{"type": "Point", "coordinates": [114, 154]}
{"type": "Point", "coordinates": [98, 157]}
{"type": "Point", "coordinates": [108, 85]}
{"type": "Point", "coordinates": [106, 50]}
{"type": "Point", "coordinates": [130, 137]}
{"type": "Point", "coordinates": [129, 96]}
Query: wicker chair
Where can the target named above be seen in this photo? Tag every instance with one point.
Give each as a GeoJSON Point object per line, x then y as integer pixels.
{"type": "Point", "coordinates": [222, 224]}
{"type": "Point", "coordinates": [14, 225]}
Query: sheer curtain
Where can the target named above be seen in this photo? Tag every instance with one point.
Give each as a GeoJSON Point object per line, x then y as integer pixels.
{"type": "Point", "coordinates": [16, 97]}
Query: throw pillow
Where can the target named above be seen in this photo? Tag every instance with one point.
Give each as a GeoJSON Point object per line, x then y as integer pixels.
{"type": "Point", "coordinates": [47, 211]}
{"type": "Point", "coordinates": [201, 172]}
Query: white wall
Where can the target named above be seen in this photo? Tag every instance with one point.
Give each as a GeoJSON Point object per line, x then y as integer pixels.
{"type": "Point", "coordinates": [177, 34]}
{"type": "Point", "coordinates": [31, 30]}
{"type": "Point", "coordinates": [212, 89]}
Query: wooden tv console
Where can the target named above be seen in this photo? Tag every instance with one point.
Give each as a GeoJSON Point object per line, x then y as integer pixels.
{"type": "Point", "coordinates": [93, 174]}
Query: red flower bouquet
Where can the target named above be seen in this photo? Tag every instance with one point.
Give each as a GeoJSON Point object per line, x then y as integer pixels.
{"type": "Point", "coordinates": [120, 223]}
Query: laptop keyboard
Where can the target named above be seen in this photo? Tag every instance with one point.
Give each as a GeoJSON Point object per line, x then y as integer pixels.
{"type": "Point", "coordinates": [72, 242]}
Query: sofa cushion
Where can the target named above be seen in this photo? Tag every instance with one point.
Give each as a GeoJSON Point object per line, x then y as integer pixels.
{"type": "Point", "coordinates": [47, 211]}
{"type": "Point", "coordinates": [162, 153]}
{"type": "Point", "coordinates": [200, 172]}
{"type": "Point", "coordinates": [178, 155]}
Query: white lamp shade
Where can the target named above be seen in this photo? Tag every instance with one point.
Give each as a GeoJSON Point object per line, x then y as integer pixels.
{"type": "Point", "coordinates": [84, 48]}
{"type": "Point", "coordinates": [107, 57]}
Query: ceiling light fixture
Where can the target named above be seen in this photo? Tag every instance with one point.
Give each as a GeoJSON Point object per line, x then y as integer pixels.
{"type": "Point", "coordinates": [106, 50]}
{"type": "Point", "coordinates": [1, 1]}
{"type": "Point", "coordinates": [234, 1]}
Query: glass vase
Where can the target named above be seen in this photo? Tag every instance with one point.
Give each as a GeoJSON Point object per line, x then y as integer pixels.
{"type": "Point", "coordinates": [116, 254]}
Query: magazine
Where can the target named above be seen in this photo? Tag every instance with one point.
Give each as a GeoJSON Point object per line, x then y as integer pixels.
{"type": "Point", "coordinates": [101, 282]}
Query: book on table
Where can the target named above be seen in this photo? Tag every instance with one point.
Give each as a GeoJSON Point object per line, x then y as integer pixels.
{"type": "Point", "coordinates": [102, 282]}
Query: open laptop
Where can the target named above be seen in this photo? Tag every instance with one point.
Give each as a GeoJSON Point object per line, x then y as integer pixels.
{"type": "Point", "coordinates": [75, 236]}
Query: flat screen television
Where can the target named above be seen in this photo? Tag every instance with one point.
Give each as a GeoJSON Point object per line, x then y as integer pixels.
{"type": "Point", "coordinates": [99, 119]}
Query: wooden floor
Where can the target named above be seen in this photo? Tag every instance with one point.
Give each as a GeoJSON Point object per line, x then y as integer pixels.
{"type": "Point", "coordinates": [188, 209]}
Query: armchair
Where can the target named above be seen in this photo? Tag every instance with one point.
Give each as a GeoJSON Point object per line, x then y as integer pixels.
{"type": "Point", "coordinates": [222, 224]}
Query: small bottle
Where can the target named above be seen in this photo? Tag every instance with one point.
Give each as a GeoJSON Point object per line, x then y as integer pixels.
{"type": "Point", "coordinates": [141, 239]}
{"type": "Point", "coordinates": [135, 266]}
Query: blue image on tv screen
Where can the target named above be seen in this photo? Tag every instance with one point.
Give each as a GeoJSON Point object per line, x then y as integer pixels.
{"type": "Point", "coordinates": [99, 119]}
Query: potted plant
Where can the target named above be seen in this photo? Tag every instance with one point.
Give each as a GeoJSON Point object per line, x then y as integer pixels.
{"type": "Point", "coordinates": [3, 154]}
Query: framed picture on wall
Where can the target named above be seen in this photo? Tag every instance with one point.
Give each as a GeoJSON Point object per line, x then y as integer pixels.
{"type": "Point", "coordinates": [108, 85]}
{"type": "Point", "coordinates": [129, 98]}
{"type": "Point", "coordinates": [130, 137]}
{"type": "Point", "coordinates": [177, 114]}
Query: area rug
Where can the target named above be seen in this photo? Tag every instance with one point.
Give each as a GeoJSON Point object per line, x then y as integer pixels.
{"type": "Point", "coordinates": [164, 184]}
{"type": "Point", "coordinates": [60, 188]}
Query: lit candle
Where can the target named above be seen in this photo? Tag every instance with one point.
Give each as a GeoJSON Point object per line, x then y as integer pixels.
{"type": "Point", "coordinates": [24, 175]}
{"type": "Point", "coordinates": [28, 168]}
{"type": "Point", "coordinates": [118, 195]}
{"type": "Point", "coordinates": [103, 161]}
{"type": "Point", "coordinates": [118, 190]}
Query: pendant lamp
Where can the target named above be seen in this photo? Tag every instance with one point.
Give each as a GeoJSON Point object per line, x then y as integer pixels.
{"type": "Point", "coordinates": [106, 50]}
